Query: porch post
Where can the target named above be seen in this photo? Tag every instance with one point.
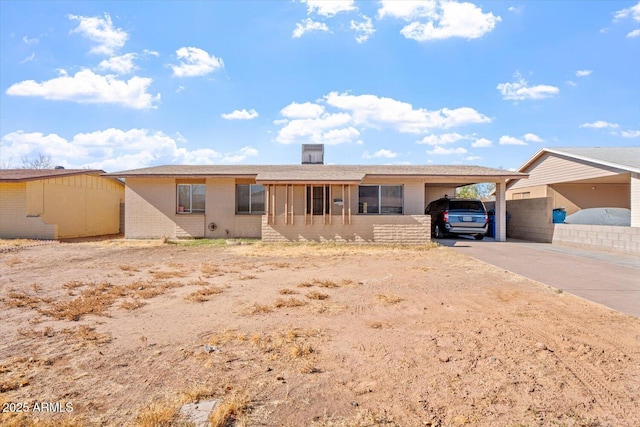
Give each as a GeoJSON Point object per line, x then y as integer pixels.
{"type": "Point", "coordinates": [267, 207]}
{"type": "Point", "coordinates": [501, 211]}
{"type": "Point", "coordinates": [635, 199]}
{"type": "Point", "coordinates": [343, 202]}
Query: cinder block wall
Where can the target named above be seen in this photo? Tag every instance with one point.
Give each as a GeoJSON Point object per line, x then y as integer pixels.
{"type": "Point", "coordinates": [14, 222]}
{"type": "Point", "coordinates": [405, 229]}
{"type": "Point", "coordinates": [624, 240]}
{"type": "Point", "coordinates": [529, 219]}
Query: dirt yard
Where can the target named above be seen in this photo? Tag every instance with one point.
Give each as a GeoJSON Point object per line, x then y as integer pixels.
{"type": "Point", "coordinates": [125, 333]}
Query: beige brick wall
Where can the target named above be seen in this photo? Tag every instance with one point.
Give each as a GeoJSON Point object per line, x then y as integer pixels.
{"type": "Point", "coordinates": [76, 206]}
{"type": "Point", "coordinates": [623, 240]}
{"type": "Point", "coordinates": [14, 222]}
{"type": "Point", "coordinates": [530, 219]}
{"type": "Point", "coordinates": [150, 211]}
{"type": "Point", "coordinates": [406, 229]}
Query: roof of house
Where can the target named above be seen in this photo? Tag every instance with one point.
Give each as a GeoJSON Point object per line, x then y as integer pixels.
{"type": "Point", "coordinates": [22, 175]}
{"type": "Point", "coordinates": [308, 173]}
{"type": "Point", "coordinates": [624, 158]}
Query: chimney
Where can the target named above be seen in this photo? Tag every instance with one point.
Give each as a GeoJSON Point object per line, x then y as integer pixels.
{"type": "Point", "coordinates": [312, 154]}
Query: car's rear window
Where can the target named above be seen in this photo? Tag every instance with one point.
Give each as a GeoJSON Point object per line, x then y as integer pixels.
{"type": "Point", "coordinates": [466, 205]}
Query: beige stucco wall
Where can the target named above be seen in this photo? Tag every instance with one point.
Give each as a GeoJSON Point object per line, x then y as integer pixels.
{"type": "Point", "coordinates": [534, 192]}
{"type": "Point", "coordinates": [635, 199]}
{"type": "Point", "coordinates": [574, 197]}
{"type": "Point", "coordinates": [75, 206]}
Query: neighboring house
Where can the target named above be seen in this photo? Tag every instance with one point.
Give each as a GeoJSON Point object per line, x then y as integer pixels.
{"type": "Point", "coordinates": [308, 202]}
{"type": "Point", "coordinates": [58, 203]}
{"type": "Point", "coordinates": [579, 177]}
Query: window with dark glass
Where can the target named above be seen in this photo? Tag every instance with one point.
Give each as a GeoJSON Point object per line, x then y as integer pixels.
{"type": "Point", "coordinates": [380, 199]}
{"type": "Point", "coordinates": [250, 199]}
{"type": "Point", "coordinates": [191, 198]}
{"type": "Point", "coordinates": [317, 197]}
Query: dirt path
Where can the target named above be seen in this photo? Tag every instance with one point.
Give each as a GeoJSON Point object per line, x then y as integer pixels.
{"type": "Point", "coordinates": [305, 335]}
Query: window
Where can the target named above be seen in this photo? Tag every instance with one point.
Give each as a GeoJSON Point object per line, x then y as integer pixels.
{"type": "Point", "coordinates": [380, 199]}
{"type": "Point", "coordinates": [191, 198]}
{"type": "Point", "coordinates": [250, 199]}
{"type": "Point", "coordinates": [314, 199]}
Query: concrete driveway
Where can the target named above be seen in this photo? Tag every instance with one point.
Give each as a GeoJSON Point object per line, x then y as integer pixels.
{"type": "Point", "coordinates": [610, 280]}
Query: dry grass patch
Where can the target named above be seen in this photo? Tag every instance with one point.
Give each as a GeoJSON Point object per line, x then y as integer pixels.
{"type": "Point", "coordinates": [362, 418]}
{"type": "Point", "coordinates": [198, 282]}
{"type": "Point", "coordinates": [210, 270]}
{"type": "Point", "coordinates": [87, 333]}
{"type": "Point", "coordinates": [299, 350]}
{"type": "Point", "coordinates": [389, 299]}
{"type": "Point", "coordinates": [125, 267]}
{"type": "Point", "coordinates": [247, 277]}
{"type": "Point", "coordinates": [13, 261]}
{"type": "Point", "coordinates": [18, 299]}
{"type": "Point", "coordinates": [132, 304]}
{"type": "Point", "coordinates": [203, 294]}
{"type": "Point", "coordinates": [317, 295]}
{"type": "Point", "coordinates": [158, 414]}
{"type": "Point", "coordinates": [258, 309]}
{"type": "Point", "coordinates": [232, 411]}
{"type": "Point", "coordinates": [286, 291]}
{"type": "Point", "coordinates": [159, 275]}
{"type": "Point", "coordinates": [288, 302]}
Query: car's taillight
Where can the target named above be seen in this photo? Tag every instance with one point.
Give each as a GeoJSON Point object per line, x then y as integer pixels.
{"type": "Point", "coordinates": [445, 216]}
{"type": "Point", "coordinates": [486, 218]}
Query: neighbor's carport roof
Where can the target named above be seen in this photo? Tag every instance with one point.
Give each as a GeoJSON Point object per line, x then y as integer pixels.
{"type": "Point", "coordinates": [318, 173]}
{"type": "Point", "coordinates": [22, 175]}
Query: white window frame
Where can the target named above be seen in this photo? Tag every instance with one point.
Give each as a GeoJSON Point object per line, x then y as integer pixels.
{"type": "Point", "coordinates": [380, 199]}
{"type": "Point", "coordinates": [251, 212]}
{"type": "Point", "coordinates": [190, 210]}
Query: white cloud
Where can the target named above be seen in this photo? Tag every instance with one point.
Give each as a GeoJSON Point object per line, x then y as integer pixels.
{"type": "Point", "coordinates": [520, 90]}
{"type": "Point", "coordinates": [572, 83]}
{"type": "Point", "coordinates": [599, 124]}
{"type": "Point", "coordinates": [515, 9]}
{"type": "Point", "coordinates": [90, 88]}
{"type": "Point", "coordinates": [150, 52]}
{"type": "Point", "coordinates": [631, 133]}
{"type": "Point", "coordinates": [115, 149]}
{"type": "Point", "coordinates": [371, 110]}
{"type": "Point", "coordinates": [446, 151]}
{"type": "Point", "coordinates": [364, 29]}
{"type": "Point", "coordinates": [630, 12]}
{"type": "Point", "coordinates": [122, 64]}
{"type": "Point", "coordinates": [27, 40]}
{"type": "Point", "coordinates": [29, 58]}
{"type": "Point", "coordinates": [308, 25]}
{"type": "Point", "coordinates": [195, 62]}
{"type": "Point", "coordinates": [380, 153]}
{"type": "Point", "coordinates": [532, 137]}
{"type": "Point", "coordinates": [408, 9]}
{"type": "Point", "coordinates": [481, 143]}
{"type": "Point", "coordinates": [464, 20]}
{"type": "Point", "coordinates": [472, 158]}
{"type": "Point", "coordinates": [436, 20]}
{"type": "Point", "coordinates": [328, 8]}
{"type": "Point", "coordinates": [510, 140]}
{"type": "Point", "coordinates": [583, 73]}
{"type": "Point", "coordinates": [634, 33]}
{"type": "Point", "coordinates": [307, 110]}
{"type": "Point", "coordinates": [240, 155]}
{"type": "Point", "coordinates": [241, 115]}
{"type": "Point", "coordinates": [106, 38]}
{"type": "Point", "coordinates": [310, 122]}
{"type": "Point", "coordinates": [443, 139]}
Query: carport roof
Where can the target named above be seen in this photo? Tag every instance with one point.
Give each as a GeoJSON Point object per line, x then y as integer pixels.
{"type": "Point", "coordinates": [22, 175]}
{"type": "Point", "coordinates": [319, 173]}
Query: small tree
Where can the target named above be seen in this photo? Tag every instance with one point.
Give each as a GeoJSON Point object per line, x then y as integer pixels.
{"type": "Point", "coordinates": [475, 191]}
{"type": "Point", "coordinates": [40, 162]}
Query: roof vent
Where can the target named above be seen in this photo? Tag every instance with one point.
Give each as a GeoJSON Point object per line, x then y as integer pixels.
{"type": "Point", "coordinates": [59, 167]}
{"type": "Point", "coordinates": [312, 154]}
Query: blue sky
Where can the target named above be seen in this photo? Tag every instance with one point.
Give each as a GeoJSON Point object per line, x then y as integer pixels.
{"type": "Point", "coordinates": [121, 85]}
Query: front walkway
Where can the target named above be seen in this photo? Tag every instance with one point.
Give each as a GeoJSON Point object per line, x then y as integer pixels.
{"type": "Point", "coordinates": [607, 279]}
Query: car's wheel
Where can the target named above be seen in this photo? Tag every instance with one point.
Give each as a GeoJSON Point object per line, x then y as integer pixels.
{"type": "Point", "coordinates": [437, 232]}
{"type": "Point", "coordinates": [479, 236]}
